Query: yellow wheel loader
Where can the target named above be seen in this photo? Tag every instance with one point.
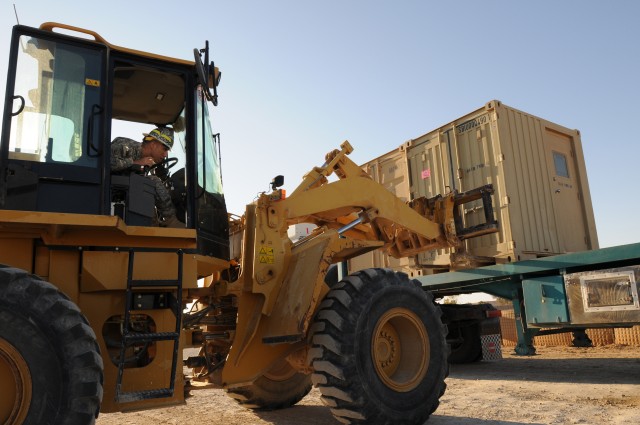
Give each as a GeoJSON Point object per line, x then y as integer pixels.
{"type": "Point", "coordinates": [98, 299]}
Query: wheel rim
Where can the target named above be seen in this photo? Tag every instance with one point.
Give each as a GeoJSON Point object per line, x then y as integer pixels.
{"type": "Point", "coordinates": [400, 349]}
{"type": "Point", "coordinates": [15, 380]}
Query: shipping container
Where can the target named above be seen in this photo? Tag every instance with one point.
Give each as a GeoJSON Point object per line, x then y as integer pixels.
{"type": "Point", "coordinates": [541, 194]}
{"type": "Point", "coordinates": [391, 171]}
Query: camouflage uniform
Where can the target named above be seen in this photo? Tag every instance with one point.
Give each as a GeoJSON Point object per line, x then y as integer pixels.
{"type": "Point", "coordinates": [123, 152]}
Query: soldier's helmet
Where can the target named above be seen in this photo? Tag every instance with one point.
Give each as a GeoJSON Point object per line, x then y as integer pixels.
{"type": "Point", "coordinates": [163, 135]}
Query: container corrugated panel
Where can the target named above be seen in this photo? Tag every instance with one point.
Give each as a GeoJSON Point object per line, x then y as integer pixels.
{"type": "Point", "coordinates": [391, 171]}
{"type": "Point", "coordinates": [541, 200]}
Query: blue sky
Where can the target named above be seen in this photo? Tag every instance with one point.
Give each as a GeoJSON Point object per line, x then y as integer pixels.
{"type": "Point", "coordinates": [300, 77]}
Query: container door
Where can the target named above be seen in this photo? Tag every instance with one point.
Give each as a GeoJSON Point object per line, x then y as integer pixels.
{"type": "Point", "coordinates": [566, 193]}
{"type": "Point", "coordinates": [475, 162]}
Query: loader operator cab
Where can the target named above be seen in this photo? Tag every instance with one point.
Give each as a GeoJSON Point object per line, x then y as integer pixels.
{"type": "Point", "coordinates": [68, 97]}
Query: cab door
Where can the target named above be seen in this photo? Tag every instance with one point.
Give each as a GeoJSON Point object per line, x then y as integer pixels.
{"type": "Point", "coordinates": [52, 153]}
{"type": "Point", "coordinates": [210, 210]}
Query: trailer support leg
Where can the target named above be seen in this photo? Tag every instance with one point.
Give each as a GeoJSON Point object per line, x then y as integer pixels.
{"type": "Point", "coordinates": [525, 335]}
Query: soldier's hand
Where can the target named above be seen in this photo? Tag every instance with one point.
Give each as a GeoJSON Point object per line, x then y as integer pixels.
{"type": "Point", "coordinates": [147, 161]}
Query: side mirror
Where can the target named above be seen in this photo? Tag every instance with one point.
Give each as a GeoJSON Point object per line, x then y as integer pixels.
{"type": "Point", "coordinates": [214, 75]}
{"type": "Point", "coordinates": [207, 74]}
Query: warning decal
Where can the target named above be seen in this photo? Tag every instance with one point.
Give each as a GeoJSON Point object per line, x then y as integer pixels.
{"type": "Point", "coordinates": [266, 255]}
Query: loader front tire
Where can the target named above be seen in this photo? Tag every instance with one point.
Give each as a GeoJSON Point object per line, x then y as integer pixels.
{"type": "Point", "coordinates": [281, 387]}
{"type": "Point", "coordinates": [50, 366]}
{"type": "Point", "coordinates": [379, 350]}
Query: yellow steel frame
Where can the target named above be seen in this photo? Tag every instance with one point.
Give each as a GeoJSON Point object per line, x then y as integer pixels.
{"type": "Point", "coordinates": [282, 283]}
{"type": "Point", "coordinates": [85, 257]}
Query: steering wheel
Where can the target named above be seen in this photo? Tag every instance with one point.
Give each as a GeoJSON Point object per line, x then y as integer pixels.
{"type": "Point", "coordinates": [161, 169]}
{"type": "Point", "coordinates": [166, 163]}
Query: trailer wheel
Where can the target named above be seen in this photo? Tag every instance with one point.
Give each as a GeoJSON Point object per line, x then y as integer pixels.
{"type": "Point", "coordinates": [467, 345]}
{"type": "Point", "coordinates": [379, 350]}
{"type": "Point", "coordinates": [50, 366]}
{"type": "Point", "coordinates": [281, 387]}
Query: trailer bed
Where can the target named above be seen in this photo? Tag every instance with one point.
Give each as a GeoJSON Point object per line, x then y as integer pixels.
{"type": "Point", "coordinates": [561, 293]}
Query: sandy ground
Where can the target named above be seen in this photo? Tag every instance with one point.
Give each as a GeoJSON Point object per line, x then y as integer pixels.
{"type": "Point", "coordinates": [559, 385]}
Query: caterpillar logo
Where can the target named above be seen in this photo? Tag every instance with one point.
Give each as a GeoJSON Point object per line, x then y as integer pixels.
{"type": "Point", "coordinates": [471, 124]}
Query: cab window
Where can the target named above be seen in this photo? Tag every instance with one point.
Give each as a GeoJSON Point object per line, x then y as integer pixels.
{"type": "Point", "coordinates": [58, 86]}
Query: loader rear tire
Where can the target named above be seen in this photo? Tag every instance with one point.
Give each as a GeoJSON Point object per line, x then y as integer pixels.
{"type": "Point", "coordinates": [281, 387]}
{"type": "Point", "coordinates": [379, 350]}
{"type": "Point", "coordinates": [50, 366]}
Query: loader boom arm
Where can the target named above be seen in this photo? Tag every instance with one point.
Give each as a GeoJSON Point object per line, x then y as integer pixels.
{"type": "Point", "coordinates": [361, 208]}
{"type": "Point", "coordinates": [282, 283]}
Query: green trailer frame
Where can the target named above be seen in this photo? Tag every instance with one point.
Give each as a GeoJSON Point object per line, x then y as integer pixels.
{"type": "Point", "coordinates": [537, 290]}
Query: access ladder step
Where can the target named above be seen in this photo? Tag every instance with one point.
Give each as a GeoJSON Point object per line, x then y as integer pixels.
{"type": "Point", "coordinates": [144, 395]}
{"type": "Point", "coordinates": [155, 283]}
{"type": "Point", "coordinates": [150, 337]}
{"type": "Point", "coordinates": [150, 294]}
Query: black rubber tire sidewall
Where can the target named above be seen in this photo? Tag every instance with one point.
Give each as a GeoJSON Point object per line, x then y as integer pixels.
{"type": "Point", "coordinates": [42, 360]}
{"type": "Point", "coordinates": [390, 402]}
{"type": "Point", "coordinates": [341, 354]}
{"type": "Point", "coordinates": [58, 345]}
{"type": "Point", "coordinates": [268, 394]}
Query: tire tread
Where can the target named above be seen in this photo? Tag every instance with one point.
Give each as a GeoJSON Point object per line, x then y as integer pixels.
{"type": "Point", "coordinates": [332, 347]}
{"type": "Point", "coordinates": [69, 333]}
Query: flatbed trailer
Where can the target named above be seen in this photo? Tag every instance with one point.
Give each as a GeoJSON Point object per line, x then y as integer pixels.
{"type": "Point", "coordinates": [561, 293]}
